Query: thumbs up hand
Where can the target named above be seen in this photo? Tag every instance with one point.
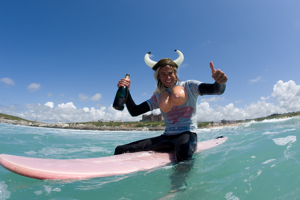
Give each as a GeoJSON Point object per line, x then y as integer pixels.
{"type": "Point", "coordinates": [218, 75]}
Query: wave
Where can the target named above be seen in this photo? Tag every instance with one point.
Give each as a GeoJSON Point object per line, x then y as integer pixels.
{"type": "Point", "coordinates": [269, 123]}
{"type": "Point", "coordinates": [4, 193]}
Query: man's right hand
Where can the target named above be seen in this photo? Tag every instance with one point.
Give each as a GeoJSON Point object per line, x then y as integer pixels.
{"type": "Point", "coordinates": [124, 82]}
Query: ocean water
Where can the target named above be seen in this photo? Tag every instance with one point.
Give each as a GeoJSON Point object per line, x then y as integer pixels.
{"type": "Point", "coordinates": [260, 160]}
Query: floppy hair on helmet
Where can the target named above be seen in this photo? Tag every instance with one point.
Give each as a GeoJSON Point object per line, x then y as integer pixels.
{"type": "Point", "coordinates": [165, 61]}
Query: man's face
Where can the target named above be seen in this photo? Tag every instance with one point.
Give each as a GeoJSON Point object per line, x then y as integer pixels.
{"type": "Point", "coordinates": [167, 76]}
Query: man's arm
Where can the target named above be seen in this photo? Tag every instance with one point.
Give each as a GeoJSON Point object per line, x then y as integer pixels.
{"type": "Point", "coordinates": [134, 109]}
{"type": "Point", "coordinates": [211, 89]}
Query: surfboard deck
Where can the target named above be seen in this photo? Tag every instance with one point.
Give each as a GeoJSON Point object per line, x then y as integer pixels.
{"type": "Point", "coordinates": [60, 169]}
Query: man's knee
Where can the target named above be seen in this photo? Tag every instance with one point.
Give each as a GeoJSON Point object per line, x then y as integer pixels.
{"type": "Point", "coordinates": [119, 150]}
{"type": "Point", "coordinates": [186, 150]}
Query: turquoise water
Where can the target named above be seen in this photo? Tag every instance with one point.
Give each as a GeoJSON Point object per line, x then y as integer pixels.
{"type": "Point", "coordinates": [260, 160]}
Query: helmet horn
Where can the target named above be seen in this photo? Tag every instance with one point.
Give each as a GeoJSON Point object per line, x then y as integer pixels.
{"type": "Point", "coordinates": [148, 61]}
{"type": "Point", "coordinates": [180, 58]}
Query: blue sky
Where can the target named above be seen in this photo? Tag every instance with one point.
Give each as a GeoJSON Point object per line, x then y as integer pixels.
{"type": "Point", "coordinates": [70, 55]}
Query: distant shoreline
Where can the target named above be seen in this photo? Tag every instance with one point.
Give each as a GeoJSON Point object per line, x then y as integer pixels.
{"type": "Point", "coordinates": [79, 126]}
{"type": "Point", "coordinates": [85, 126]}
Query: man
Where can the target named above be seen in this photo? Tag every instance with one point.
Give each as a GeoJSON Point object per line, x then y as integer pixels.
{"type": "Point", "coordinates": [177, 101]}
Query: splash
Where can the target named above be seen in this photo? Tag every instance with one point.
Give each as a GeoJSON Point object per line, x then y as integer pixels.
{"type": "Point", "coordinates": [285, 141]}
{"type": "Point", "coordinates": [4, 193]}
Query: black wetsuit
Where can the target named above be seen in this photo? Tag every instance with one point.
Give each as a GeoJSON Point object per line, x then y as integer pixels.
{"type": "Point", "coordinates": [183, 144]}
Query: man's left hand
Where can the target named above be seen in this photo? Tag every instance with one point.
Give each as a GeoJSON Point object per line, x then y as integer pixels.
{"type": "Point", "coordinates": [218, 75]}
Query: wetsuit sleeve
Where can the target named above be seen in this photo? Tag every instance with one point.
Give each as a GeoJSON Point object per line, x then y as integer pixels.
{"type": "Point", "coordinates": [134, 109]}
{"type": "Point", "coordinates": [210, 89]}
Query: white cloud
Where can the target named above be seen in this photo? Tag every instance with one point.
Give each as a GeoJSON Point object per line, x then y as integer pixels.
{"type": "Point", "coordinates": [67, 112]}
{"type": "Point", "coordinates": [184, 65]}
{"type": "Point", "coordinates": [264, 98]}
{"type": "Point", "coordinates": [49, 104]}
{"type": "Point", "coordinates": [67, 106]}
{"type": "Point", "coordinates": [286, 96]}
{"type": "Point", "coordinates": [98, 105]}
{"type": "Point", "coordinates": [7, 81]}
{"type": "Point", "coordinates": [49, 94]}
{"type": "Point", "coordinates": [206, 42]}
{"type": "Point", "coordinates": [259, 109]}
{"type": "Point", "coordinates": [84, 97]}
{"type": "Point", "coordinates": [33, 87]}
{"type": "Point", "coordinates": [96, 97]}
{"type": "Point", "coordinates": [255, 80]}
{"type": "Point", "coordinates": [213, 99]}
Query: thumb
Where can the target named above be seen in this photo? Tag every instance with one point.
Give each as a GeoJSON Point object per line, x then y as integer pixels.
{"type": "Point", "coordinates": [212, 67]}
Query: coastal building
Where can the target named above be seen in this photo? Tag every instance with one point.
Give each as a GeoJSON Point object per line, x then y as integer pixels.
{"type": "Point", "coordinates": [228, 121]}
{"type": "Point", "coordinates": [215, 123]}
{"type": "Point", "coordinates": [152, 118]}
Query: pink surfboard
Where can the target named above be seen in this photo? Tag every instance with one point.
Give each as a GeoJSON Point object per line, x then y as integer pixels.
{"type": "Point", "coordinates": [59, 169]}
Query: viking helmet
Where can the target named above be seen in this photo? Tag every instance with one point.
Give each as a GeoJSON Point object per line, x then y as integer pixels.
{"type": "Point", "coordinates": [152, 63]}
